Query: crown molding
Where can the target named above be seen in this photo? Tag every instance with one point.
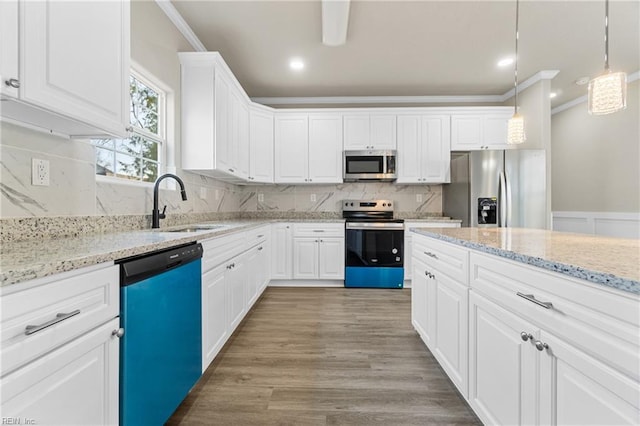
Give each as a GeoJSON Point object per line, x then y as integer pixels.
{"type": "Point", "coordinates": [540, 75]}
{"type": "Point", "coordinates": [630, 78]}
{"type": "Point", "coordinates": [182, 26]}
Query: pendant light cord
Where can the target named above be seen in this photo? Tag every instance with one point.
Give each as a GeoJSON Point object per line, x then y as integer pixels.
{"type": "Point", "coordinates": [606, 35]}
{"type": "Point", "coordinates": [515, 83]}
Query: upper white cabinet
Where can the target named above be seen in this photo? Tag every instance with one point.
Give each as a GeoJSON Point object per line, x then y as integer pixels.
{"type": "Point", "coordinates": [215, 118]}
{"type": "Point", "coordinates": [369, 131]}
{"type": "Point", "coordinates": [260, 146]}
{"type": "Point", "coordinates": [308, 148]}
{"type": "Point", "coordinates": [423, 149]}
{"type": "Point", "coordinates": [64, 66]}
{"type": "Point", "coordinates": [479, 129]}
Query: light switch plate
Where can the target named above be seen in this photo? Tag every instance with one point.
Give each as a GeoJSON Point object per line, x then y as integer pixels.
{"type": "Point", "coordinates": [418, 198]}
{"type": "Point", "coordinates": [260, 198]}
{"type": "Point", "coordinates": [313, 198]}
{"type": "Point", "coordinates": [203, 192]}
{"type": "Point", "coordinates": [39, 172]}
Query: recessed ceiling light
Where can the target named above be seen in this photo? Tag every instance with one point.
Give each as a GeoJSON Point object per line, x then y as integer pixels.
{"type": "Point", "coordinates": [296, 64]}
{"type": "Point", "coordinates": [505, 62]}
{"type": "Point", "coordinates": [582, 81]}
{"type": "Point", "coordinates": [553, 95]}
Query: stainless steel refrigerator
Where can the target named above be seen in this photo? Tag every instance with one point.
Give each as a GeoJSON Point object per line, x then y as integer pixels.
{"type": "Point", "coordinates": [498, 188]}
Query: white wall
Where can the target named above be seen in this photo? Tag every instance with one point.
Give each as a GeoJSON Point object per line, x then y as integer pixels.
{"type": "Point", "coordinates": [596, 169]}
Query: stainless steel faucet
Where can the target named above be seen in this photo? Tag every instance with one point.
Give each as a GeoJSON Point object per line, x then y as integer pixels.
{"type": "Point", "coordinates": [155, 214]}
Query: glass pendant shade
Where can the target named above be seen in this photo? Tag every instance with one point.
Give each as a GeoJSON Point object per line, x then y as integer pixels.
{"type": "Point", "coordinates": [515, 130]}
{"type": "Point", "coordinates": [608, 93]}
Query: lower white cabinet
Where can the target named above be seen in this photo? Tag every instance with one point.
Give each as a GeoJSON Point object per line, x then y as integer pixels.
{"type": "Point", "coordinates": [572, 359]}
{"type": "Point", "coordinates": [318, 251]}
{"type": "Point", "coordinates": [282, 251]}
{"type": "Point", "coordinates": [236, 282]}
{"type": "Point", "coordinates": [408, 238]}
{"type": "Point", "coordinates": [66, 369]}
{"type": "Point", "coordinates": [76, 384]}
{"type": "Point", "coordinates": [214, 313]}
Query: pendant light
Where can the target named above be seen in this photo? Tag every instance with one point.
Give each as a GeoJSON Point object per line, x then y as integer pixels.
{"type": "Point", "coordinates": [607, 92]}
{"type": "Point", "coordinates": [515, 126]}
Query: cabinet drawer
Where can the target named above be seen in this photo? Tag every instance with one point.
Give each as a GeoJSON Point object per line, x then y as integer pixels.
{"type": "Point", "coordinates": [256, 236]}
{"type": "Point", "coordinates": [217, 250]}
{"type": "Point", "coordinates": [94, 295]}
{"type": "Point", "coordinates": [600, 321]}
{"type": "Point", "coordinates": [445, 257]}
{"type": "Point", "coordinates": [318, 229]}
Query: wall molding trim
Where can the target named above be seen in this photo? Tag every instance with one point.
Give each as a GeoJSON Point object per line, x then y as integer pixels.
{"type": "Point", "coordinates": [182, 26]}
{"type": "Point", "coordinates": [630, 79]}
{"type": "Point", "coordinates": [609, 224]}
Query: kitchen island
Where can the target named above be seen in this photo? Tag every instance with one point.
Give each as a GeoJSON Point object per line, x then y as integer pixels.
{"type": "Point", "coordinates": [532, 326]}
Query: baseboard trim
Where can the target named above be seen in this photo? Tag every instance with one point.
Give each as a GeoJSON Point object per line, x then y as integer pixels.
{"type": "Point", "coordinates": [609, 224]}
{"type": "Point", "coordinates": [306, 283]}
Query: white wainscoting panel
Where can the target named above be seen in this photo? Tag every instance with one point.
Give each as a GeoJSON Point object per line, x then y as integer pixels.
{"type": "Point", "coordinates": [610, 224]}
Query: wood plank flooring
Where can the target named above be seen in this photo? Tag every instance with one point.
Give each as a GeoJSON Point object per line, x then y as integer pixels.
{"type": "Point", "coordinates": [325, 356]}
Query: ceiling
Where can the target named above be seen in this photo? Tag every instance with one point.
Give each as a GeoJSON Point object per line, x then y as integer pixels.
{"type": "Point", "coordinates": [415, 48]}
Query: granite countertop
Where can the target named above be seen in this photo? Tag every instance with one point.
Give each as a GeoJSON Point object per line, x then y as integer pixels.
{"type": "Point", "coordinates": [613, 262]}
{"type": "Point", "coordinates": [25, 260]}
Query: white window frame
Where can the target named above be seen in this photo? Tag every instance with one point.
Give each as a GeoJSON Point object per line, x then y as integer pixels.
{"type": "Point", "coordinates": [166, 123]}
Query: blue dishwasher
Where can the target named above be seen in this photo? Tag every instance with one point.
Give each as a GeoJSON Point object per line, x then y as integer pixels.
{"type": "Point", "coordinates": [161, 350]}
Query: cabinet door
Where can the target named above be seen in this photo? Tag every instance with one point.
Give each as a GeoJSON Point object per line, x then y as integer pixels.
{"type": "Point", "coordinates": [423, 303]}
{"type": "Point", "coordinates": [466, 132]}
{"type": "Point", "coordinates": [305, 258]}
{"type": "Point", "coordinates": [214, 314]}
{"type": "Point", "coordinates": [451, 350]}
{"type": "Point", "coordinates": [576, 389]}
{"type": "Point", "coordinates": [74, 384]}
{"type": "Point", "coordinates": [325, 148]}
{"type": "Point", "coordinates": [233, 141]}
{"type": "Point", "coordinates": [261, 147]}
{"type": "Point", "coordinates": [435, 149]}
{"type": "Point", "coordinates": [75, 60]}
{"type": "Point", "coordinates": [383, 131]}
{"type": "Point", "coordinates": [236, 283]}
{"type": "Point", "coordinates": [494, 132]}
{"type": "Point", "coordinates": [223, 104]}
{"type": "Point", "coordinates": [264, 265]}
{"type": "Point", "coordinates": [8, 46]}
{"type": "Point", "coordinates": [409, 149]}
{"type": "Point", "coordinates": [291, 148]}
{"type": "Point", "coordinates": [502, 367]}
{"type": "Point", "coordinates": [242, 151]}
{"type": "Point", "coordinates": [331, 258]}
{"type": "Point", "coordinates": [282, 251]}
{"type": "Point", "coordinates": [253, 276]}
{"type": "Point", "coordinates": [356, 132]}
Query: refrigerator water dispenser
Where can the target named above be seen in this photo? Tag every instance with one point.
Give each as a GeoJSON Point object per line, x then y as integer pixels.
{"type": "Point", "coordinates": [488, 211]}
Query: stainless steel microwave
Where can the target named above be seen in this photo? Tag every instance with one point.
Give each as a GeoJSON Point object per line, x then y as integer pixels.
{"type": "Point", "coordinates": [377, 165]}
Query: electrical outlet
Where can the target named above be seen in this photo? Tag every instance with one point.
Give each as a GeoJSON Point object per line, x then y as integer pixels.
{"type": "Point", "coordinates": [39, 172]}
{"type": "Point", "coordinates": [418, 198]}
{"type": "Point", "coordinates": [313, 198]}
{"type": "Point", "coordinates": [203, 193]}
{"type": "Point", "coordinates": [260, 198]}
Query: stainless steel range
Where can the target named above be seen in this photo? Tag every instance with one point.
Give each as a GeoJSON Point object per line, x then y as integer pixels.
{"type": "Point", "coordinates": [374, 252]}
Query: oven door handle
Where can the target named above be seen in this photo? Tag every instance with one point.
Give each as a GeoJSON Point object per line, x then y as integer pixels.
{"type": "Point", "coordinates": [375, 226]}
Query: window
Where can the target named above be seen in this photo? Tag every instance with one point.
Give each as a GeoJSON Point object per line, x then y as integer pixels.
{"type": "Point", "coordinates": [139, 157]}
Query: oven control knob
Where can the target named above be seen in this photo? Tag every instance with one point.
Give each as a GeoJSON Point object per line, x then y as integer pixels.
{"type": "Point", "coordinates": [351, 204]}
{"type": "Point", "coordinates": [394, 251]}
{"type": "Point", "coordinates": [389, 204]}
{"type": "Point", "coordinates": [384, 204]}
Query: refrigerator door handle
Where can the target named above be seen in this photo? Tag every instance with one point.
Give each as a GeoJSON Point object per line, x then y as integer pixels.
{"type": "Point", "coordinates": [503, 201]}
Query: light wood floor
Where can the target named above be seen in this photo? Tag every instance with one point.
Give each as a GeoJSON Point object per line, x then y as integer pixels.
{"type": "Point", "coordinates": [325, 356]}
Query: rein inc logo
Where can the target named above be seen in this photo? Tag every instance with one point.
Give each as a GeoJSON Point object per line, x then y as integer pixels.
{"type": "Point", "coordinates": [17, 421]}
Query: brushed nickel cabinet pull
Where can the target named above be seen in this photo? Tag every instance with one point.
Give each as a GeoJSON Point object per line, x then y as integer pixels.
{"type": "Point", "coordinates": [30, 329]}
{"type": "Point", "coordinates": [532, 298]}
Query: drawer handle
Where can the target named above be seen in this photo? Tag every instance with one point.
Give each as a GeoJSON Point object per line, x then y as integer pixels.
{"type": "Point", "coordinates": [260, 236]}
{"type": "Point", "coordinates": [532, 298]}
{"type": "Point", "coordinates": [318, 230]}
{"type": "Point", "coordinates": [30, 329]}
{"type": "Point", "coordinates": [259, 248]}
{"type": "Point", "coordinates": [428, 253]}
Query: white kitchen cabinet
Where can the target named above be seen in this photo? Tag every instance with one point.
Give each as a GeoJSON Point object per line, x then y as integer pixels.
{"type": "Point", "coordinates": [215, 118]}
{"type": "Point", "coordinates": [66, 372]}
{"type": "Point", "coordinates": [503, 368]}
{"type": "Point", "coordinates": [236, 281]}
{"type": "Point", "coordinates": [325, 148]}
{"type": "Point", "coordinates": [318, 251]}
{"type": "Point", "coordinates": [423, 302]}
{"type": "Point", "coordinates": [408, 240]}
{"type": "Point", "coordinates": [282, 251]}
{"type": "Point", "coordinates": [308, 148]}
{"type": "Point", "coordinates": [214, 313]}
{"type": "Point", "coordinates": [73, 73]}
{"type": "Point", "coordinates": [478, 130]}
{"type": "Point", "coordinates": [364, 131]}
{"type": "Point", "coordinates": [423, 149]}
{"type": "Point", "coordinates": [260, 146]}
{"type": "Point", "coordinates": [291, 148]}
{"type": "Point", "coordinates": [257, 262]}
